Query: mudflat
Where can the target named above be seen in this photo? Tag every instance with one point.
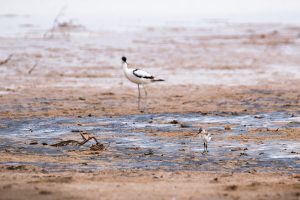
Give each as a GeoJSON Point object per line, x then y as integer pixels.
{"type": "Point", "coordinates": [239, 81]}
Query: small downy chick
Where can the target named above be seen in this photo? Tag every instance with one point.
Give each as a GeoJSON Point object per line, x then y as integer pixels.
{"type": "Point", "coordinates": [206, 137]}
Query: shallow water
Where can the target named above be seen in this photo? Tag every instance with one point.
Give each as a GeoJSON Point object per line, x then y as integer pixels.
{"type": "Point", "coordinates": [137, 142]}
{"type": "Point", "coordinates": [17, 17]}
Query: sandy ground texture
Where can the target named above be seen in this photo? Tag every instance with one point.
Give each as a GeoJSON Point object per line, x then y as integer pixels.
{"type": "Point", "coordinates": [232, 68]}
{"type": "Point", "coordinates": [223, 70]}
{"type": "Point", "coordinates": [147, 185]}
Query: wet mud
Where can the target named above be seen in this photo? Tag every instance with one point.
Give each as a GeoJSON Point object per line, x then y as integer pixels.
{"type": "Point", "coordinates": [162, 142]}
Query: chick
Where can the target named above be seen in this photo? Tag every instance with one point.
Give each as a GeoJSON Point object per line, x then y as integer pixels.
{"type": "Point", "coordinates": [206, 137]}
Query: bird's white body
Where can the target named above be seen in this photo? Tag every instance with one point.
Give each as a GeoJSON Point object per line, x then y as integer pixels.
{"type": "Point", "coordinates": [205, 136]}
{"type": "Point", "coordinates": [136, 76]}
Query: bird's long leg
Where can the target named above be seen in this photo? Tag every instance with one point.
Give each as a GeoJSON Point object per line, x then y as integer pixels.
{"type": "Point", "coordinates": [139, 97]}
{"type": "Point", "coordinates": [206, 147]}
{"type": "Point", "coordinates": [146, 103]}
{"type": "Point", "coordinates": [203, 148]}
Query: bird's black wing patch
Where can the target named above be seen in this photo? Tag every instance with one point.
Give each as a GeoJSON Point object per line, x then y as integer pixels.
{"type": "Point", "coordinates": [142, 74]}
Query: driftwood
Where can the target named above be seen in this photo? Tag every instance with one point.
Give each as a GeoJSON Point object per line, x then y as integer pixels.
{"type": "Point", "coordinates": [86, 137]}
{"type": "Point", "coordinates": [49, 33]}
{"type": "Point", "coordinates": [2, 62]}
{"type": "Point", "coordinates": [63, 28]}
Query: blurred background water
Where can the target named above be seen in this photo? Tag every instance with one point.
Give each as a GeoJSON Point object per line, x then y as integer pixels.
{"type": "Point", "coordinates": [17, 17]}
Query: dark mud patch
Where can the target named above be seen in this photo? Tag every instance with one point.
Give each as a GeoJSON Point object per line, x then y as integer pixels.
{"type": "Point", "coordinates": [151, 142]}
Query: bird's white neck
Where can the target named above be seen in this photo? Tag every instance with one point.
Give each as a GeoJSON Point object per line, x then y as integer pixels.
{"type": "Point", "coordinates": [125, 66]}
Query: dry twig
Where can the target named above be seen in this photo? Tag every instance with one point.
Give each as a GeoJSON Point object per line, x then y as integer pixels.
{"type": "Point", "coordinates": [55, 23]}
{"type": "Point", "coordinates": [86, 137]}
{"type": "Point", "coordinates": [32, 68]}
{"type": "Point", "coordinates": [2, 62]}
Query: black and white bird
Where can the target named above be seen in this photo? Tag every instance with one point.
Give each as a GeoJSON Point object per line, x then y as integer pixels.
{"type": "Point", "coordinates": [206, 137]}
{"type": "Point", "coordinates": [138, 77]}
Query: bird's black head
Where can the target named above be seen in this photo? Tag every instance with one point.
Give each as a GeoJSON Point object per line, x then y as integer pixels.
{"type": "Point", "coordinates": [124, 59]}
